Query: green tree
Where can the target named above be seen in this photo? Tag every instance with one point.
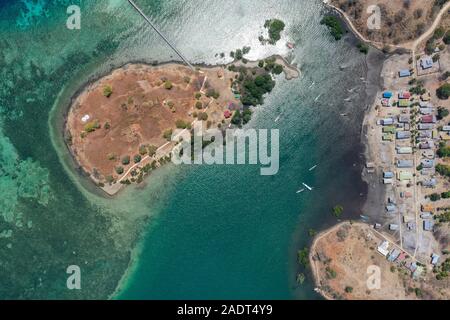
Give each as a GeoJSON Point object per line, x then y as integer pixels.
{"type": "Point", "coordinates": [337, 211]}
{"type": "Point", "coordinates": [443, 92]}
{"type": "Point", "coordinates": [277, 69]}
{"type": "Point", "coordinates": [275, 27]}
{"type": "Point", "coordinates": [119, 170]}
{"type": "Point", "coordinates": [442, 113]}
{"type": "Point", "coordinates": [137, 158]}
{"type": "Point", "coordinates": [126, 160]}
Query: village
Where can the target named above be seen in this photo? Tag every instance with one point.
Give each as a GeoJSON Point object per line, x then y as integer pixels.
{"type": "Point", "coordinates": [409, 125]}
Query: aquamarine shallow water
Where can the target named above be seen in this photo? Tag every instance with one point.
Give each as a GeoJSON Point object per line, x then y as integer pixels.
{"type": "Point", "coordinates": [216, 231]}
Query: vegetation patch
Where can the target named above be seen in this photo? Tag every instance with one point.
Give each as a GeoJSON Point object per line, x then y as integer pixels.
{"type": "Point", "coordinates": [334, 25]}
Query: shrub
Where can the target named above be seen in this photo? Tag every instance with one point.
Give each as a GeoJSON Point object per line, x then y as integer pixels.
{"type": "Point", "coordinates": [152, 150]}
{"type": "Point", "coordinates": [107, 91]}
{"type": "Point", "coordinates": [338, 210]}
{"type": "Point", "coordinates": [443, 92]}
{"type": "Point", "coordinates": [442, 113]}
{"type": "Point", "coordinates": [447, 37]}
{"type": "Point", "coordinates": [181, 124]}
{"type": "Point", "coordinates": [143, 150]}
{"type": "Point", "coordinates": [364, 48]}
{"type": "Point", "coordinates": [107, 126]}
{"type": "Point", "coordinates": [445, 195]}
{"type": "Point", "coordinates": [439, 33]}
{"type": "Point", "coordinates": [202, 116]}
{"type": "Point", "coordinates": [168, 134]}
{"type": "Point", "coordinates": [198, 95]}
{"type": "Point", "coordinates": [119, 170]}
{"type": "Point", "coordinates": [261, 64]}
{"type": "Point", "coordinates": [212, 93]}
{"type": "Point", "coordinates": [246, 115]}
{"type": "Point", "coordinates": [236, 119]}
{"type": "Point", "coordinates": [137, 158]}
{"type": "Point", "coordinates": [331, 274]}
{"type": "Point", "coordinates": [126, 160]}
{"type": "Point", "coordinates": [111, 157]}
{"type": "Point", "coordinates": [443, 170]}
{"type": "Point", "coordinates": [91, 126]}
{"type": "Point", "coordinates": [168, 85]}
{"type": "Point", "coordinates": [348, 289]}
{"type": "Point", "coordinates": [435, 197]}
{"type": "Point", "coordinates": [199, 105]}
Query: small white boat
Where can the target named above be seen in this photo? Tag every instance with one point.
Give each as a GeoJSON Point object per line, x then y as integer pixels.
{"type": "Point", "coordinates": [348, 99]}
{"type": "Point", "coordinates": [343, 114]}
{"type": "Point", "coordinates": [300, 191]}
{"type": "Point", "coordinates": [278, 118]}
{"type": "Point", "coordinates": [312, 85]}
{"type": "Point", "coordinates": [317, 98]}
{"type": "Point", "coordinates": [313, 167]}
{"type": "Point", "coordinates": [307, 187]}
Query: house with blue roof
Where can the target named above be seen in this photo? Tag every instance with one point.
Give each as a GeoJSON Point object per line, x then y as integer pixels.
{"type": "Point", "coordinates": [404, 73]}
{"type": "Point", "coordinates": [426, 62]}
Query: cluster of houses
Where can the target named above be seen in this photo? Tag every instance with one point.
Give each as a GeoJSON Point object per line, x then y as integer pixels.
{"type": "Point", "coordinates": [411, 129]}
{"type": "Point", "coordinates": [402, 259]}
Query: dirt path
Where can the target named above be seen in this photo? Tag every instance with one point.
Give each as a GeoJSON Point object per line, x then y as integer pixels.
{"type": "Point", "coordinates": [412, 46]}
{"type": "Point", "coordinates": [429, 32]}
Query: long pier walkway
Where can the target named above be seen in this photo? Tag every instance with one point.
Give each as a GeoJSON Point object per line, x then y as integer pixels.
{"type": "Point", "coordinates": [161, 34]}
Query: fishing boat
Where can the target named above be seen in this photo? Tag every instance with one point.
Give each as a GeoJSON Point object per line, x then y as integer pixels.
{"type": "Point", "coordinates": [313, 167]}
{"type": "Point", "coordinates": [300, 191]}
{"type": "Point", "coordinates": [317, 98]}
{"type": "Point", "coordinates": [307, 187]}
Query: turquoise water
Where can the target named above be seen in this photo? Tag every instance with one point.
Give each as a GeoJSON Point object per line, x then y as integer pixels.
{"type": "Point", "coordinates": [208, 231]}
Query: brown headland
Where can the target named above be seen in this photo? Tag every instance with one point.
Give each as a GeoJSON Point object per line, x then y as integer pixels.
{"type": "Point", "coordinates": [119, 128]}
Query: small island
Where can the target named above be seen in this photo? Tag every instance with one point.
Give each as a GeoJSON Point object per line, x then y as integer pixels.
{"type": "Point", "coordinates": [119, 128]}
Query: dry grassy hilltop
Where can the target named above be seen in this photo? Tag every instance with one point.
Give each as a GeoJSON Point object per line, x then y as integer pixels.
{"type": "Point", "coordinates": [402, 21]}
